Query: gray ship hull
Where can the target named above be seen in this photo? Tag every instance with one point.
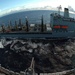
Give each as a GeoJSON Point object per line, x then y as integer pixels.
{"type": "Point", "coordinates": [35, 35]}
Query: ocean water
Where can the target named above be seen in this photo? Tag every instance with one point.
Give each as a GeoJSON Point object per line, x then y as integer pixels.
{"type": "Point", "coordinates": [50, 56]}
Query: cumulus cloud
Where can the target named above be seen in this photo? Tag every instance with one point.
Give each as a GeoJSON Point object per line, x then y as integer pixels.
{"type": "Point", "coordinates": [10, 11]}
{"type": "Point", "coordinates": [0, 10]}
{"type": "Point", "coordinates": [71, 9]}
{"type": "Point", "coordinates": [23, 8]}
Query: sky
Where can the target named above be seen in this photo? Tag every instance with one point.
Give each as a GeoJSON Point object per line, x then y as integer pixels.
{"type": "Point", "coordinates": [8, 6]}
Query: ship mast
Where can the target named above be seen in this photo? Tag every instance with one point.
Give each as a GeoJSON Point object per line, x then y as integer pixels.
{"type": "Point", "coordinates": [27, 26]}
{"type": "Point", "coordinates": [3, 28]}
{"type": "Point", "coordinates": [59, 8]}
{"type": "Point", "coordinates": [16, 25]}
{"type": "Point", "coordinates": [42, 23]}
{"type": "Point", "coordinates": [10, 25]}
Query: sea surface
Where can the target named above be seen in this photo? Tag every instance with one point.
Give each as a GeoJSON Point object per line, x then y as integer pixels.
{"type": "Point", "coordinates": [49, 56]}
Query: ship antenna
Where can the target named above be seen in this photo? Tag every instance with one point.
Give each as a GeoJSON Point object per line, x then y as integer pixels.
{"type": "Point", "coordinates": [59, 8]}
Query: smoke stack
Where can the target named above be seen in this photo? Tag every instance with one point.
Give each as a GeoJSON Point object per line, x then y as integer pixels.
{"type": "Point", "coordinates": [66, 12]}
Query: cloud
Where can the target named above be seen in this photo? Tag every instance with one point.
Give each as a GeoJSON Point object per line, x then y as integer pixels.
{"type": "Point", "coordinates": [71, 9]}
{"type": "Point", "coordinates": [24, 8]}
{"type": "Point", "coordinates": [0, 10]}
{"type": "Point", "coordinates": [10, 11]}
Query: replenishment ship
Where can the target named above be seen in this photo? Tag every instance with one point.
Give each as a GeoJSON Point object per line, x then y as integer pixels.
{"type": "Point", "coordinates": [60, 27]}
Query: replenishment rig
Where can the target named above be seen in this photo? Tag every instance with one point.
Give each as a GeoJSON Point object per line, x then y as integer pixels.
{"type": "Point", "coordinates": [59, 27]}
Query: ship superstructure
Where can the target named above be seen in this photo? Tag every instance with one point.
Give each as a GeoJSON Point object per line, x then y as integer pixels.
{"type": "Point", "coordinates": [62, 23]}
